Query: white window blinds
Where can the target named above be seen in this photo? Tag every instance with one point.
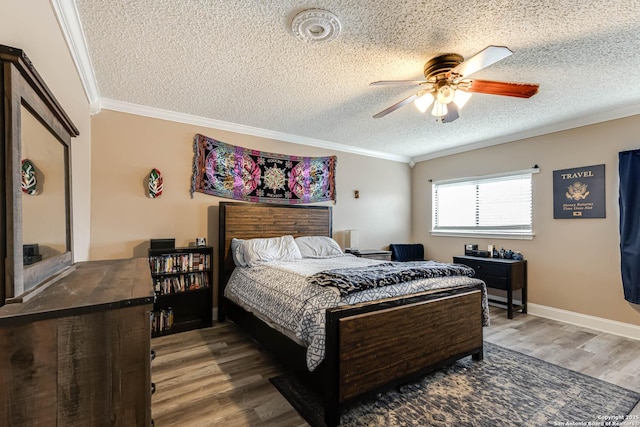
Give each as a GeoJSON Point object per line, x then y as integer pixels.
{"type": "Point", "coordinates": [497, 204]}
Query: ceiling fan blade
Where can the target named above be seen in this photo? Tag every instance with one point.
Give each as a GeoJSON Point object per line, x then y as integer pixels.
{"type": "Point", "coordinates": [452, 113]}
{"type": "Point", "coordinates": [395, 106]}
{"type": "Point", "coordinates": [519, 90]}
{"type": "Point", "coordinates": [397, 82]}
{"type": "Point", "coordinates": [487, 56]}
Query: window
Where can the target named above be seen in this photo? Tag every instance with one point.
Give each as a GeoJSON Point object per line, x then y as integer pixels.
{"type": "Point", "coordinates": [492, 205]}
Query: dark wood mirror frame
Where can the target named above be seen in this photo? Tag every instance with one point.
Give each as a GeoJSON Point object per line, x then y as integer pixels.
{"type": "Point", "coordinates": [22, 86]}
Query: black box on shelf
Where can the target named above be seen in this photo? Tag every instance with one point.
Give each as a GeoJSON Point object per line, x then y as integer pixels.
{"type": "Point", "coordinates": [163, 243]}
{"type": "Point", "coordinates": [30, 250]}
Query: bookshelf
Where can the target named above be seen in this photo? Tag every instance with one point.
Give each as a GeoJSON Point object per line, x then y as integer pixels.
{"type": "Point", "coordinates": [182, 282]}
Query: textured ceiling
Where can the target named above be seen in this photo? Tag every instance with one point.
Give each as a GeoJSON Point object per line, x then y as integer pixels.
{"type": "Point", "coordinates": [238, 62]}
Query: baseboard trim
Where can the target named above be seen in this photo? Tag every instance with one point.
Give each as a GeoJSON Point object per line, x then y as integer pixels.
{"type": "Point", "coordinates": [614, 327]}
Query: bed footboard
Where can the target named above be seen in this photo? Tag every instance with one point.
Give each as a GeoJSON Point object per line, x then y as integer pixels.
{"type": "Point", "coordinates": [373, 346]}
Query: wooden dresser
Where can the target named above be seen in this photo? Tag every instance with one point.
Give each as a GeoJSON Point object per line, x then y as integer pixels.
{"type": "Point", "coordinates": [78, 352]}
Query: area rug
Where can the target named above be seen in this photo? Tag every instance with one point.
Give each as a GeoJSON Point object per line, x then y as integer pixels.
{"type": "Point", "coordinates": [507, 388]}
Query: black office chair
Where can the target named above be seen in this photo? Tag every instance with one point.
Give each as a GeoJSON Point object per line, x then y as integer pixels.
{"type": "Point", "coordinates": [407, 252]}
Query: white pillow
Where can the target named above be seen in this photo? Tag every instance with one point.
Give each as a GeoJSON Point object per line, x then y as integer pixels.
{"type": "Point", "coordinates": [318, 247]}
{"type": "Point", "coordinates": [252, 251]}
{"type": "Point", "coordinates": [236, 254]}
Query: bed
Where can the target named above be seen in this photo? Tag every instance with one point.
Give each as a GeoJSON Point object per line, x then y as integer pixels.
{"type": "Point", "coordinates": [414, 333]}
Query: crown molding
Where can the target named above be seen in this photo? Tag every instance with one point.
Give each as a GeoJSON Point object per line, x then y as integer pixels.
{"type": "Point", "coordinates": [586, 120]}
{"type": "Point", "coordinates": [69, 21]}
{"type": "Point", "coordinates": [141, 110]}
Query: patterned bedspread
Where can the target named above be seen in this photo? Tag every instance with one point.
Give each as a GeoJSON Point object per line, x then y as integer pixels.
{"type": "Point", "coordinates": [279, 293]}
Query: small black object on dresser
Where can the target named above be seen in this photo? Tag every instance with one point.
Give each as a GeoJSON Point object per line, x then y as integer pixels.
{"type": "Point", "coordinates": [505, 274]}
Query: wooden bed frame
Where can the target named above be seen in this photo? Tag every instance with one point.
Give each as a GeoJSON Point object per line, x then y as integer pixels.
{"type": "Point", "coordinates": [414, 334]}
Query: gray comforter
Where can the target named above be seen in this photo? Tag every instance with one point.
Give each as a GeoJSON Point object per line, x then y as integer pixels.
{"type": "Point", "coordinates": [280, 294]}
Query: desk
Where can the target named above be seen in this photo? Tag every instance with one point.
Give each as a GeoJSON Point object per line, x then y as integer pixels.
{"type": "Point", "coordinates": [504, 274]}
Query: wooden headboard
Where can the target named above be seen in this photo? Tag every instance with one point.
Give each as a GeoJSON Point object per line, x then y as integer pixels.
{"type": "Point", "coordinates": [254, 220]}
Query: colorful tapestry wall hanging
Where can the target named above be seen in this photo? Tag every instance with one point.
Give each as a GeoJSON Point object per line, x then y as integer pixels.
{"type": "Point", "coordinates": [224, 170]}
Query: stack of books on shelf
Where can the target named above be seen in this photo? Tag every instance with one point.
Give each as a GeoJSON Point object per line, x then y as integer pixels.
{"type": "Point", "coordinates": [179, 263]}
{"type": "Point", "coordinates": [185, 282]}
{"type": "Point", "coordinates": [162, 320]}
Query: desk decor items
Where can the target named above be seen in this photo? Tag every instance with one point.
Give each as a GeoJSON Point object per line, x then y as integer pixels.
{"type": "Point", "coordinates": [224, 170]}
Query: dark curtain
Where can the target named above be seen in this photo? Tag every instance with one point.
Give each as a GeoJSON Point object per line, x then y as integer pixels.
{"type": "Point", "coordinates": [629, 170]}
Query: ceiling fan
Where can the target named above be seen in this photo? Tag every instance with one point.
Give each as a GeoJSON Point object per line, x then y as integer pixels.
{"type": "Point", "coordinates": [448, 87]}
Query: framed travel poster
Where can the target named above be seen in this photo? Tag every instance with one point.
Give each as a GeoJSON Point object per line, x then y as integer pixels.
{"type": "Point", "coordinates": [579, 192]}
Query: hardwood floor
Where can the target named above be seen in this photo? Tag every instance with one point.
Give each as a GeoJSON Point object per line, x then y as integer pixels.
{"type": "Point", "coordinates": [219, 377]}
{"type": "Point", "coordinates": [216, 377]}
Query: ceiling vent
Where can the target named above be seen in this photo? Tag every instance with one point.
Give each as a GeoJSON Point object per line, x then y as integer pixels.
{"type": "Point", "coordinates": [315, 25]}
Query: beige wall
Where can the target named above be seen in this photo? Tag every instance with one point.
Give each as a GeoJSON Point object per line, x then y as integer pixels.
{"type": "Point", "coordinates": [574, 264]}
{"type": "Point", "coordinates": [44, 214]}
{"type": "Point", "coordinates": [126, 147]}
{"type": "Point", "coordinates": [32, 26]}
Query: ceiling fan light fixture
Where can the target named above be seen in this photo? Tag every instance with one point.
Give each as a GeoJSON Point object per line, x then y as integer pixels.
{"type": "Point", "coordinates": [461, 98]}
{"type": "Point", "coordinates": [423, 102]}
{"type": "Point", "coordinates": [445, 94]}
{"type": "Point", "coordinates": [446, 78]}
{"type": "Point", "coordinates": [316, 25]}
{"type": "Point", "coordinates": [439, 110]}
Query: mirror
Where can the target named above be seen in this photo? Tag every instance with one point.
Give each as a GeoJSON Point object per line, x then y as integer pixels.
{"type": "Point", "coordinates": [44, 215]}
{"type": "Point", "coordinates": [36, 227]}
